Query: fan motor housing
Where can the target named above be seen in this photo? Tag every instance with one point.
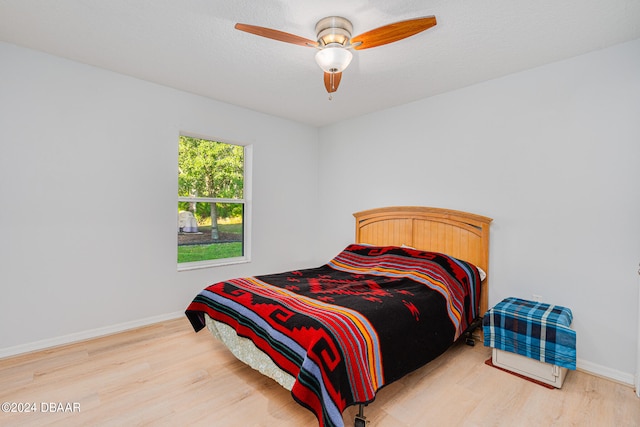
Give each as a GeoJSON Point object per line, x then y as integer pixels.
{"type": "Point", "coordinates": [334, 29]}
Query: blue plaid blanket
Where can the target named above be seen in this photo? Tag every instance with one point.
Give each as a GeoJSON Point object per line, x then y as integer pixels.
{"type": "Point", "coordinates": [532, 329]}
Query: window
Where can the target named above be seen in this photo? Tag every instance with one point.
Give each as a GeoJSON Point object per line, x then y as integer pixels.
{"type": "Point", "coordinates": [212, 203]}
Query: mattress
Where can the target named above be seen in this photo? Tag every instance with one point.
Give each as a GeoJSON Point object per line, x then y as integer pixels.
{"type": "Point", "coordinates": [245, 350]}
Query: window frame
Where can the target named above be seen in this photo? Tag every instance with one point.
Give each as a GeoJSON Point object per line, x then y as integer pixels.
{"type": "Point", "coordinates": [245, 201]}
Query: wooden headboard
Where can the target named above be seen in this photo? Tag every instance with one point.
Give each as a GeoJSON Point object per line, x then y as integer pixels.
{"type": "Point", "coordinates": [459, 234]}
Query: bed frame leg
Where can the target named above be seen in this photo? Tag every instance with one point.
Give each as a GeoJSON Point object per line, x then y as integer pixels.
{"type": "Point", "coordinates": [360, 420]}
{"type": "Point", "coordinates": [469, 340]}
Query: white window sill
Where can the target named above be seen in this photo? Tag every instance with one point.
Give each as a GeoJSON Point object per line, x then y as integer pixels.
{"type": "Point", "coordinates": [188, 266]}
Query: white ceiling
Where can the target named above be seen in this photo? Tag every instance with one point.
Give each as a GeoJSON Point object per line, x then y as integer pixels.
{"type": "Point", "coordinates": [191, 45]}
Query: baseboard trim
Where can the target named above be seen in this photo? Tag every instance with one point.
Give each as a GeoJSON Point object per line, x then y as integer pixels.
{"type": "Point", "coordinates": [85, 335]}
{"type": "Point", "coordinates": [604, 372]}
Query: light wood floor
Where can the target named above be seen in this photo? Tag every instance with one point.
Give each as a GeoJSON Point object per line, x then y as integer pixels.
{"type": "Point", "coordinates": [166, 374]}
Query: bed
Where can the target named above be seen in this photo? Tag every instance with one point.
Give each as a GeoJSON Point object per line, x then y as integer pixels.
{"type": "Point", "coordinates": [413, 283]}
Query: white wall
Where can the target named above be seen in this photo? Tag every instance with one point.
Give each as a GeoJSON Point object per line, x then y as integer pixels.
{"type": "Point", "coordinates": [552, 154]}
{"type": "Point", "coordinates": [88, 185]}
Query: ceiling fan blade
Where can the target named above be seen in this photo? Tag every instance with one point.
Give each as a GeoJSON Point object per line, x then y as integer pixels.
{"type": "Point", "coordinates": [331, 81]}
{"type": "Point", "coordinates": [393, 32]}
{"type": "Point", "coordinates": [276, 35]}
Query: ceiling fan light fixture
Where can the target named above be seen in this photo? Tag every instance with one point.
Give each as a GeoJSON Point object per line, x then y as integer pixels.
{"type": "Point", "coordinates": [334, 59]}
{"type": "Point", "coordinates": [334, 41]}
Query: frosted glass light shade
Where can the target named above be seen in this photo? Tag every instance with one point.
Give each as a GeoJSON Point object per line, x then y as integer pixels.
{"type": "Point", "coordinates": [334, 59]}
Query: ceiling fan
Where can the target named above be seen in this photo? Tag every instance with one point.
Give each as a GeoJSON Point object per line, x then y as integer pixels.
{"type": "Point", "coordinates": [334, 42]}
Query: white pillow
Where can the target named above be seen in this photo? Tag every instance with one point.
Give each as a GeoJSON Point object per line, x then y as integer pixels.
{"type": "Point", "coordinates": [483, 274]}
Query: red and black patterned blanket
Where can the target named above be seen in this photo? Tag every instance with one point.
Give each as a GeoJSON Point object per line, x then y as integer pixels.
{"type": "Point", "coordinates": [347, 328]}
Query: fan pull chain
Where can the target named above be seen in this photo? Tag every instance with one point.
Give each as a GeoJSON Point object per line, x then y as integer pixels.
{"type": "Point", "coordinates": [332, 86]}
